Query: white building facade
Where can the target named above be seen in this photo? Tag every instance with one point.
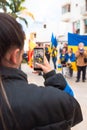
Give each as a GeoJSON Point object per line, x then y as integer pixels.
{"type": "Point", "coordinates": [74, 17]}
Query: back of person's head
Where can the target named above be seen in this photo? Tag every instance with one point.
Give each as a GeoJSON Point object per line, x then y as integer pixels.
{"type": "Point", "coordinates": [11, 38]}
{"type": "Point", "coordinates": [65, 44]}
{"type": "Point", "coordinates": [11, 34]}
{"type": "Point", "coordinates": [54, 48]}
{"type": "Point", "coordinates": [70, 50]}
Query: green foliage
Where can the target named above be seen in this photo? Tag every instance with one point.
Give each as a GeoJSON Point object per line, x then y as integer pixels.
{"type": "Point", "coordinates": [13, 7]}
{"type": "Point", "coordinates": [3, 5]}
{"type": "Point", "coordinates": [16, 5]}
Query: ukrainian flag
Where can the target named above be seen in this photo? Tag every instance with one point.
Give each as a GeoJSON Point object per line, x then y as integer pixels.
{"type": "Point", "coordinates": [53, 41]}
{"type": "Point", "coordinates": [75, 39]}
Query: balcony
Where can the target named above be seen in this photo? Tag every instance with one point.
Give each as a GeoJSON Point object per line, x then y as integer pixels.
{"type": "Point", "coordinates": [66, 17]}
{"type": "Point", "coordinates": [66, 12]}
{"type": "Point", "coordinates": [84, 11]}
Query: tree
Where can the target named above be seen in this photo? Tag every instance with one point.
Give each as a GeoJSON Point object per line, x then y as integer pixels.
{"type": "Point", "coordinates": [3, 5]}
{"type": "Point", "coordinates": [14, 7]}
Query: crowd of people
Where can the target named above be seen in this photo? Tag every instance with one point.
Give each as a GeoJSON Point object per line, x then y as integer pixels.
{"type": "Point", "coordinates": [69, 60]}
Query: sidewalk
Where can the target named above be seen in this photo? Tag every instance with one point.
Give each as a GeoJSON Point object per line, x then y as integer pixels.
{"type": "Point", "coordinates": [80, 90]}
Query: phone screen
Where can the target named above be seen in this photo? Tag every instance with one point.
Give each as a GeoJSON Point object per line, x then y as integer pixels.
{"type": "Point", "coordinates": [38, 57]}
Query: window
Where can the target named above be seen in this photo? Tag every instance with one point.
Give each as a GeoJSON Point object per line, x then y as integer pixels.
{"type": "Point", "coordinates": [85, 24]}
{"type": "Point", "coordinates": [34, 35]}
{"type": "Point", "coordinates": [86, 4]}
{"type": "Point", "coordinates": [76, 5]}
{"type": "Point", "coordinates": [76, 27]}
{"type": "Point", "coordinates": [44, 26]}
{"type": "Point", "coordinates": [66, 8]}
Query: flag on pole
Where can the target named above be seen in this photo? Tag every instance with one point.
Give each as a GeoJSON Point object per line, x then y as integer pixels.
{"type": "Point", "coordinates": [53, 41]}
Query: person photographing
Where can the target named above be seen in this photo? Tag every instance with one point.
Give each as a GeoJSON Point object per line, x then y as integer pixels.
{"type": "Point", "coordinates": [81, 65]}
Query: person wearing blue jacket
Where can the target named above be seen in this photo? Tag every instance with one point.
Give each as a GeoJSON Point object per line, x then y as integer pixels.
{"type": "Point", "coordinates": [63, 61]}
{"type": "Point", "coordinates": [70, 58]}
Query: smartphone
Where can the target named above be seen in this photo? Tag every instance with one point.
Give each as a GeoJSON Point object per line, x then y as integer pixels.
{"type": "Point", "coordinates": [38, 57]}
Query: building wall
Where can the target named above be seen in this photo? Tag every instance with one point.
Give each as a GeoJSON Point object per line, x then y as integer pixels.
{"type": "Point", "coordinates": [76, 17]}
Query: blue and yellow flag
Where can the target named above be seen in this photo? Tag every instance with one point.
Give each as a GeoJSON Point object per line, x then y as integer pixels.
{"type": "Point", "coordinates": [75, 39]}
{"type": "Point", "coordinates": [53, 41]}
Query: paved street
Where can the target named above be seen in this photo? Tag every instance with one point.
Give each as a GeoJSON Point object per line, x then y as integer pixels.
{"type": "Point", "coordinates": [80, 90]}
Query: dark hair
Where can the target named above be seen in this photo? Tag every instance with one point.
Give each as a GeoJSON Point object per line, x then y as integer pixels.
{"type": "Point", "coordinates": [11, 34]}
{"type": "Point", "coordinates": [71, 49]}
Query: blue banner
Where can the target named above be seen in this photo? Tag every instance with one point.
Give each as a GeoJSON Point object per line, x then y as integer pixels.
{"type": "Point", "coordinates": [75, 39]}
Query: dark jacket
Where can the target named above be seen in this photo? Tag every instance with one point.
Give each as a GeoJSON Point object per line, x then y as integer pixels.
{"type": "Point", "coordinates": [37, 108]}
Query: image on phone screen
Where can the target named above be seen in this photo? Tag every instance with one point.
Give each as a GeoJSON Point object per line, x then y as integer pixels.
{"type": "Point", "coordinates": [38, 57]}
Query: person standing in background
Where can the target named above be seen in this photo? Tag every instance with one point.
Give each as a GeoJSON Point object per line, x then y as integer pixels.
{"type": "Point", "coordinates": [71, 58]}
{"type": "Point", "coordinates": [54, 56]}
{"type": "Point", "coordinates": [66, 47]}
{"type": "Point", "coordinates": [63, 61]}
{"type": "Point", "coordinates": [81, 65]}
{"type": "Point", "coordinates": [47, 52]}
